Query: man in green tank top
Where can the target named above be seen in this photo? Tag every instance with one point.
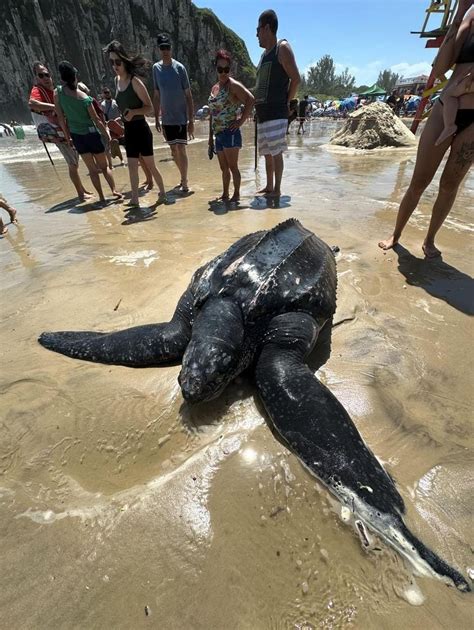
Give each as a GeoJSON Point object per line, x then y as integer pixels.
{"type": "Point", "coordinates": [278, 78]}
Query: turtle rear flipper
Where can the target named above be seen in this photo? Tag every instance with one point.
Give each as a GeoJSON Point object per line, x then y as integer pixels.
{"type": "Point", "coordinates": [313, 424]}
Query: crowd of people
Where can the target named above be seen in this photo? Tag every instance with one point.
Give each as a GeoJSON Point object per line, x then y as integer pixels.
{"type": "Point", "coordinates": [94, 131]}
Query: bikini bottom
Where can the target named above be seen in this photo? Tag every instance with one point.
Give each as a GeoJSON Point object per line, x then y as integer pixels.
{"type": "Point", "coordinates": [464, 118]}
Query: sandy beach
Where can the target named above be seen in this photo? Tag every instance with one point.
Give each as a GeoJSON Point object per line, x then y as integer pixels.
{"type": "Point", "coordinates": [123, 507]}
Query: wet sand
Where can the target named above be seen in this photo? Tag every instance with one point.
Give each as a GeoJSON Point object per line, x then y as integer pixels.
{"type": "Point", "coordinates": [123, 507]}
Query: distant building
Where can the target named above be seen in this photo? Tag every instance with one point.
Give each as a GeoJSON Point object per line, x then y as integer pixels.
{"type": "Point", "coordinates": [412, 84]}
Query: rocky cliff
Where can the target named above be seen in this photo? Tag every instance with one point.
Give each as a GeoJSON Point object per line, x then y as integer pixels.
{"type": "Point", "coordinates": [77, 30]}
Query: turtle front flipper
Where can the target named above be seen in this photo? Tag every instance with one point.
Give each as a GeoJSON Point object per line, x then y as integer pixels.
{"type": "Point", "coordinates": [140, 346]}
{"type": "Point", "coordinates": [313, 424]}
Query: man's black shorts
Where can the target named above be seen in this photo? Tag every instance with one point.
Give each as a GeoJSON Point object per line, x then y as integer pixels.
{"type": "Point", "coordinates": [175, 134]}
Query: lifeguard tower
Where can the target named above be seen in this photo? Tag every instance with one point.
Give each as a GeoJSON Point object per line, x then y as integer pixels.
{"type": "Point", "coordinates": [444, 9]}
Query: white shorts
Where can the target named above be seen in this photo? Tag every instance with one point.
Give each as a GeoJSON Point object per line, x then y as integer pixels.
{"type": "Point", "coordinates": [69, 154]}
{"type": "Point", "coordinates": [271, 136]}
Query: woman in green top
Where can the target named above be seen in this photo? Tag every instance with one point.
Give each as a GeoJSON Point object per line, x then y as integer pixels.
{"type": "Point", "coordinates": [80, 123]}
{"type": "Point", "coordinates": [134, 103]}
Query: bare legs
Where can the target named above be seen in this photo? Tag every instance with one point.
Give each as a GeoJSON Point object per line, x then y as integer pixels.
{"type": "Point", "coordinates": [149, 162]}
{"type": "Point", "coordinates": [101, 161]}
{"type": "Point", "coordinates": [11, 211]}
{"type": "Point", "coordinates": [115, 150]}
{"type": "Point", "coordinates": [82, 193]}
{"type": "Point", "coordinates": [278, 168]}
{"type": "Point", "coordinates": [274, 173]}
{"type": "Point", "coordinates": [228, 161]}
{"type": "Point", "coordinates": [225, 175]}
{"type": "Point", "coordinates": [428, 159]}
{"type": "Point", "coordinates": [96, 164]}
{"type": "Point", "coordinates": [460, 160]}
{"type": "Point", "coordinates": [180, 156]}
{"type": "Point", "coordinates": [94, 173]}
{"type": "Point", "coordinates": [148, 183]}
{"type": "Point", "coordinates": [269, 175]}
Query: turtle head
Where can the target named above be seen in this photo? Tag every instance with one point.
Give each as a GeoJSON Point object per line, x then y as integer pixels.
{"type": "Point", "coordinates": [212, 358]}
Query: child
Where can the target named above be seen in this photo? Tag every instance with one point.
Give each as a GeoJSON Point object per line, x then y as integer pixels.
{"type": "Point", "coordinates": [11, 211]}
{"type": "Point", "coordinates": [450, 105]}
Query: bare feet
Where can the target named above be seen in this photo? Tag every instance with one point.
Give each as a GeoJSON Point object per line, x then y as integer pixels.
{"type": "Point", "coordinates": [133, 203]}
{"type": "Point", "coordinates": [3, 228]}
{"type": "Point", "coordinates": [235, 198]}
{"type": "Point", "coordinates": [265, 191]}
{"type": "Point", "coordinates": [117, 195]}
{"type": "Point", "coordinates": [430, 251]}
{"type": "Point", "coordinates": [388, 243]}
{"type": "Point", "coordinates": [223, 197]}
{"type": "Point", "coordinates": [162, 198]}
{"type": "Point", "coordinates": [85, 195]}
{"type": "Point", "coordinates": [445, 134]}
{"type": "Point", "coordinates": [147, 185]}
{"type": "Point", "coordinates": [274, 194]}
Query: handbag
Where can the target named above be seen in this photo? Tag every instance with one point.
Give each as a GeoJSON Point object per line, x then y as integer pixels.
{"type": "Point", "coordinates": [47, 127]}
{"type": "Point", "coordinates": [211, 151]}
{"type": "Point", "coordinates": [116, 129]}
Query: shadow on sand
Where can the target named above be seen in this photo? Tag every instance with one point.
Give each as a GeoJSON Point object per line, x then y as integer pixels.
{"type": "Point", "coordinates": [93, 206]}
{"type": "Point", "coordinates": [138, 214]}
{"type": "Point", "coordinates": [217, 206]}
{"type": "Point", "coordinates": [65, 205]}
{"type": "Point", "coordinates": [437, 278]}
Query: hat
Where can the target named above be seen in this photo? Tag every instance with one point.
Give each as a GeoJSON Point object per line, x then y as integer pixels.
{"type": "Point", "coordinates": [163, 39]}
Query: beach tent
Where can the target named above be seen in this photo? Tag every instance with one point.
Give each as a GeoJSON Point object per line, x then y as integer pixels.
{"type": "Point", "coordinates": [349, 103]}
{"type": "Point", "coordinates": [375, 90]}
{"type": "Point", "coordinates": [412, 103]}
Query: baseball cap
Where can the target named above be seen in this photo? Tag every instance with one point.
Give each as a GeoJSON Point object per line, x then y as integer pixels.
{"type": "Point", "coordinates": [163, 39]}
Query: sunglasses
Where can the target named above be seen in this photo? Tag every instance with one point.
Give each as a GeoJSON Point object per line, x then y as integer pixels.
{"type": "Point", "coordinates": [165, 47]}
{"type": "Point", "coordinates": [43, 75]}
{"type": "Point", "coordinates": [115, 62]}
{"type": "Point", "coordinates": [220, 69]}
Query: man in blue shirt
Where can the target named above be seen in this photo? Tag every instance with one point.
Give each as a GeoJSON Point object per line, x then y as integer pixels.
{"type": "Point", "coordinates": [172, 99]}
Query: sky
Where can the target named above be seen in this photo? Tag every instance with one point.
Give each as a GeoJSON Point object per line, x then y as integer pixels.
{"type": "Point", "coordinates": [366, 36]}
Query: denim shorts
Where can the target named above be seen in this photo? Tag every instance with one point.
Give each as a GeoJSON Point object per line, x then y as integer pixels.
{"type": "Point", "coordinates": [228, 139]}
{"type": "Point", "coordinates": [88, 142]}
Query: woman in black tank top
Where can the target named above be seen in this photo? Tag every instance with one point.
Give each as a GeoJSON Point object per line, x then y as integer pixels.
{"type": "Point", "coordinates": [457, 48]}
{"type": "Point", "coordinates": [134, 103]}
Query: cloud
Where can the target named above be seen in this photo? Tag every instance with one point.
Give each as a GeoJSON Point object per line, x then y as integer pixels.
{"type": "Point", "coordinates": [405, 69]}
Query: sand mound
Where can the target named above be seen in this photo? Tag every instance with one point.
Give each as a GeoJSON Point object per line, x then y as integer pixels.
{"type": "Point", "coordinates": [373, 126]}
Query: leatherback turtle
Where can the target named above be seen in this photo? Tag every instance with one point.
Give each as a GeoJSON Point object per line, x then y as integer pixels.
{"type": "Point", "coordinates": [261, 305]}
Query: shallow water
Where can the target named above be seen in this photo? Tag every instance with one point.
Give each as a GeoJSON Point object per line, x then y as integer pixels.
{"type": "Point", "coordinates": [121, 506]}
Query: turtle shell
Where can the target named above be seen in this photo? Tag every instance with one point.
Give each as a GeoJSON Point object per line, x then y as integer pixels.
{"type": "Point", "coordinates": [285, 269]}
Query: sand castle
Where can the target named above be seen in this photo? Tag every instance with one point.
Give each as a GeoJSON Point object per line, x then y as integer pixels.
{"type": "Point", "coordinates": [373, 126]}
